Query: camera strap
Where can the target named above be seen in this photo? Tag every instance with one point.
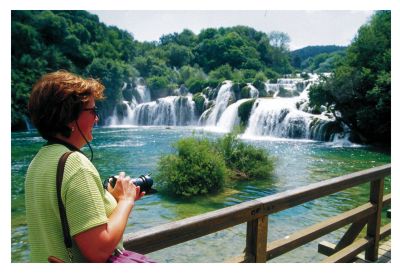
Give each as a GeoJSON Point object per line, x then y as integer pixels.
{"type": "Point", "coordinates": [61, 207]}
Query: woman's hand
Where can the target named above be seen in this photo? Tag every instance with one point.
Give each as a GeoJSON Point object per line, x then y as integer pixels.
{"type": "Point", "coordinates": [97, 243]}
{"type": "Point", "coordinates": [124, 189]}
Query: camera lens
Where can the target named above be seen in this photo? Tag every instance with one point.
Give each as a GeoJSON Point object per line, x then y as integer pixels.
{"type": "Point", "coordinates": [144, 181]}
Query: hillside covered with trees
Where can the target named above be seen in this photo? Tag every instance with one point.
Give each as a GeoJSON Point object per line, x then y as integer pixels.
{"type": "Point", "coordinates": [44, 41]}
{"type": "Point", "coordinates": [357, 93]}
{"type": "Point", "coordinates": [317, 59]}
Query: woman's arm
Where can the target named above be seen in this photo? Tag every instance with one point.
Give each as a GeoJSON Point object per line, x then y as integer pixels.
{"type": "Point", "coordinates": [98, 243]}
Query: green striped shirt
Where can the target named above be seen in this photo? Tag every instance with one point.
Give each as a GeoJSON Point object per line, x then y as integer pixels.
{"type": "Point", "coordinates": [87, 203]}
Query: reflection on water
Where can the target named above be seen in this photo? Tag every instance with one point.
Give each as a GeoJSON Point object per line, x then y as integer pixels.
{"type": "Point", "coordinates": [136, 151]}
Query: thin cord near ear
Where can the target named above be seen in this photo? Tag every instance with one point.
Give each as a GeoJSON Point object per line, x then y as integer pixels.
{"type": "Point", "coordinates": [87, 142]}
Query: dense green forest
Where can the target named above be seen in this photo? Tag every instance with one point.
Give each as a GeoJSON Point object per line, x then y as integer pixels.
{"type": "Point", "coordinates": [317, 59]}
{"type": "Point", "coordinates": [360, 86]}
{"type": "Point", "coordinates": [44, 41]}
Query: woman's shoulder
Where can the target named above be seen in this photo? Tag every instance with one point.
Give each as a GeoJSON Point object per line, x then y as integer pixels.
{"type": "Point", "coordinates": [79, 160]}
{"type": "Point", "coordinates": [78, 167]}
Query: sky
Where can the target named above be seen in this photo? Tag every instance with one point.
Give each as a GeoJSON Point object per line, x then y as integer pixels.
{"type": "Point", "coordinates": [305, 28]}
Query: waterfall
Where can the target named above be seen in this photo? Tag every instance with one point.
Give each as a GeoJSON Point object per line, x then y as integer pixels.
{"type": "Point", "coordinates": [285, 114]}
{"type": "Point", "coordinates": [130, 108]}
{"type": "Point", "coordinates": [143, 91]}
{"type": "Point", "coordinates": [221, 102]}
{"type": "Point", "coordinates": [230, 118]}
{"type": "Point", "coordinates": [285, 87]}
{"type": "Point", "coordinates": [28, 124]}
{"type": "Point", "coordinates": [279, 117]}
{"type": "Point", "coordinates": [171, 110]}
{"type": "Point", "coordinates": [254, 93]}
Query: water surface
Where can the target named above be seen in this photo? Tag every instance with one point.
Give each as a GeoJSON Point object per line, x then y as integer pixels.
{"type": "Point", "coordinates": [136, 151]}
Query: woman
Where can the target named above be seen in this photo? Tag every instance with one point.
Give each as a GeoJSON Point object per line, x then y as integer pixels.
{"type": "Point", "coordinates": [62, 108]}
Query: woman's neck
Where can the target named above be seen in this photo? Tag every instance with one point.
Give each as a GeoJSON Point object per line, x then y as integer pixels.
{"type": "Point", "coordinates": [67, 141]}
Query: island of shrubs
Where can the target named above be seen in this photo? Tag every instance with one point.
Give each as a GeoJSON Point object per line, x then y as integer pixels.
{"type": "Point", "coordinates": [200, 166]}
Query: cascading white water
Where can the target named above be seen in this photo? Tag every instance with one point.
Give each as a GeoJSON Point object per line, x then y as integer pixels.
{"type": "Point", "coordinates": [254, 93]}
{"type": "Point", "coordinates": [289, 81]}
{"type": "Point", "coordinates": [230, 118]}
{"type": "Point", "coordinates": [221, 102]}
{"type": "Point", "coordinates": [143, 92]}
{"type": "Point", "coordinates": [28, 124]}
{"type": "Point", "coordinates": [291, 85]}
{"type": "Point", "coordinates": [276, 117]}
{"type": "Point", "coordinates": [171, 110]}
{"type": "Point", "coordinates": [130, 107]}
{"type": "Point", "coordinates": [280, 117]}
{"type": "Point", "coordinates": [286, 117]}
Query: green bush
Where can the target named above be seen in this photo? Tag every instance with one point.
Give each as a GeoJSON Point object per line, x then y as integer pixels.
{"type": "Point", "coordinates": [200, 166]}
{"type": "Point", "coordinates": [199, 100]}
{"type": "Point", "coordinates": [244, 111]}
{"type": "Point", "coordinates": [195, 169]}
{"type": "Point", "coordinates": [244, 160]}
{"type": "Point", "coordinates": [259, 81]}
{"type": "Point", "coordinates": [221, 73]}
{"type": "Point", "coordinates": [157, 82]}
{"type": "Point", "coordinates": [245, 92]}
{"type": "Point", "coordinates": [196, 85]}
{"type": "Point", "coordinates": [271, 75]}
{"type": "Point", "coordinates": [159, 87]}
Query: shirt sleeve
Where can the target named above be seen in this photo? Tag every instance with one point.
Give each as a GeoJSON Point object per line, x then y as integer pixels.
{"type": "Point", "coordinates": [83, 195]}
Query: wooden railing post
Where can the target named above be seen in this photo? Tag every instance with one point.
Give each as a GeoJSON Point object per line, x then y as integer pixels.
{"type": "Point", "coordinates": [256, 240]}
{"type": "Point", "coordinates": [374, 222]}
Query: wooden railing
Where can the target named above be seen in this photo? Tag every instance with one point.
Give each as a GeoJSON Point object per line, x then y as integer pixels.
{"type": "Point", "coordinates": [256, 213]}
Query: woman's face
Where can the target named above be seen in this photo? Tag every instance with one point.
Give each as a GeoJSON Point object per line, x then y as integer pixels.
{"type": "Point", "coordinates": [87, 119]}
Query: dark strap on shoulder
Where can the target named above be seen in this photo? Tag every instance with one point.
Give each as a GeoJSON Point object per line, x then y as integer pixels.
{"type": "Point", "coordinates": [63, 214]}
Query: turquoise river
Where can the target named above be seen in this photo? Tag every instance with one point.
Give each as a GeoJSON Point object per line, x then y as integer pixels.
{"type": "Point", "coordinates": [136, 151]}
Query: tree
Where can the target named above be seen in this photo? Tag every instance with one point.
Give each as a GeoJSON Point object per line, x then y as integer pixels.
{"type": "Point", "coordinates": [279, 40]}
{"type": "Point", "coordinates": [280, 52]}
{"type": "Point", "coordinates": [360, 86]}
{"type": "Point", "coordinates": [113, 75]}
{"type": "Point", "coordinates": [178, 56]}
{"type": "Point", "coordinates": [44, 41]}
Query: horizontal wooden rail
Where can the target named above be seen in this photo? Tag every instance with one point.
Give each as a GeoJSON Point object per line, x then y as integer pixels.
{"type": "Point", "coordinates": [162, 236]}
{"type": "Point", "coordinates": [349, 252]}
{"type": "Point", "coordinates": [328, 248]}
{"type": "Point", "coordinates": [387, 199]}
{"type": "Point", "coordinates": [314, 232]}
{"type": "Point", "coordinates": [291, 198]}
{"type": "Point", "coordinates": [299, 238]}
{"type": "Point", "coordinates": [386, 230]}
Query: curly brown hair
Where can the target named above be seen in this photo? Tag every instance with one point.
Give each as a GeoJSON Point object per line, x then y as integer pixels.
{"type": "Point", "coordinates": [57, 99]}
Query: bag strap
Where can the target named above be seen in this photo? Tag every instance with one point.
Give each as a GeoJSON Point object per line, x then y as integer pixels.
{"type": "Point", "coordinates": [61, 207]}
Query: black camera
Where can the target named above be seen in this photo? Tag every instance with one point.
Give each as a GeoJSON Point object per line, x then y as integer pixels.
{"type": "Point", "coordinates": [144, 181]}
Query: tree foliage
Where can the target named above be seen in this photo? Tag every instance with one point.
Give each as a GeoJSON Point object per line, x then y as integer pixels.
{"type": "Point", "coordinates": [317, 59]}
{"type": "Point", "coordinates": [201, 166]}
{"type": "Point", "coordinates": [360, 87]}
{"type": "Point", "coordinates": [44, 41]}
{"type": "Point", "coordinates": [194, 169]}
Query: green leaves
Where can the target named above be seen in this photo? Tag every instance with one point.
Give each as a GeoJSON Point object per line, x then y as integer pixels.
{"type": "Point", "coordinates": [360, 87]}
{"type": "Point", "coordinates": [200, 166]}
{"type": "Point", "coordinates": [195, 168]}
{"type": "Point", "coordinates": [44, 41]}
